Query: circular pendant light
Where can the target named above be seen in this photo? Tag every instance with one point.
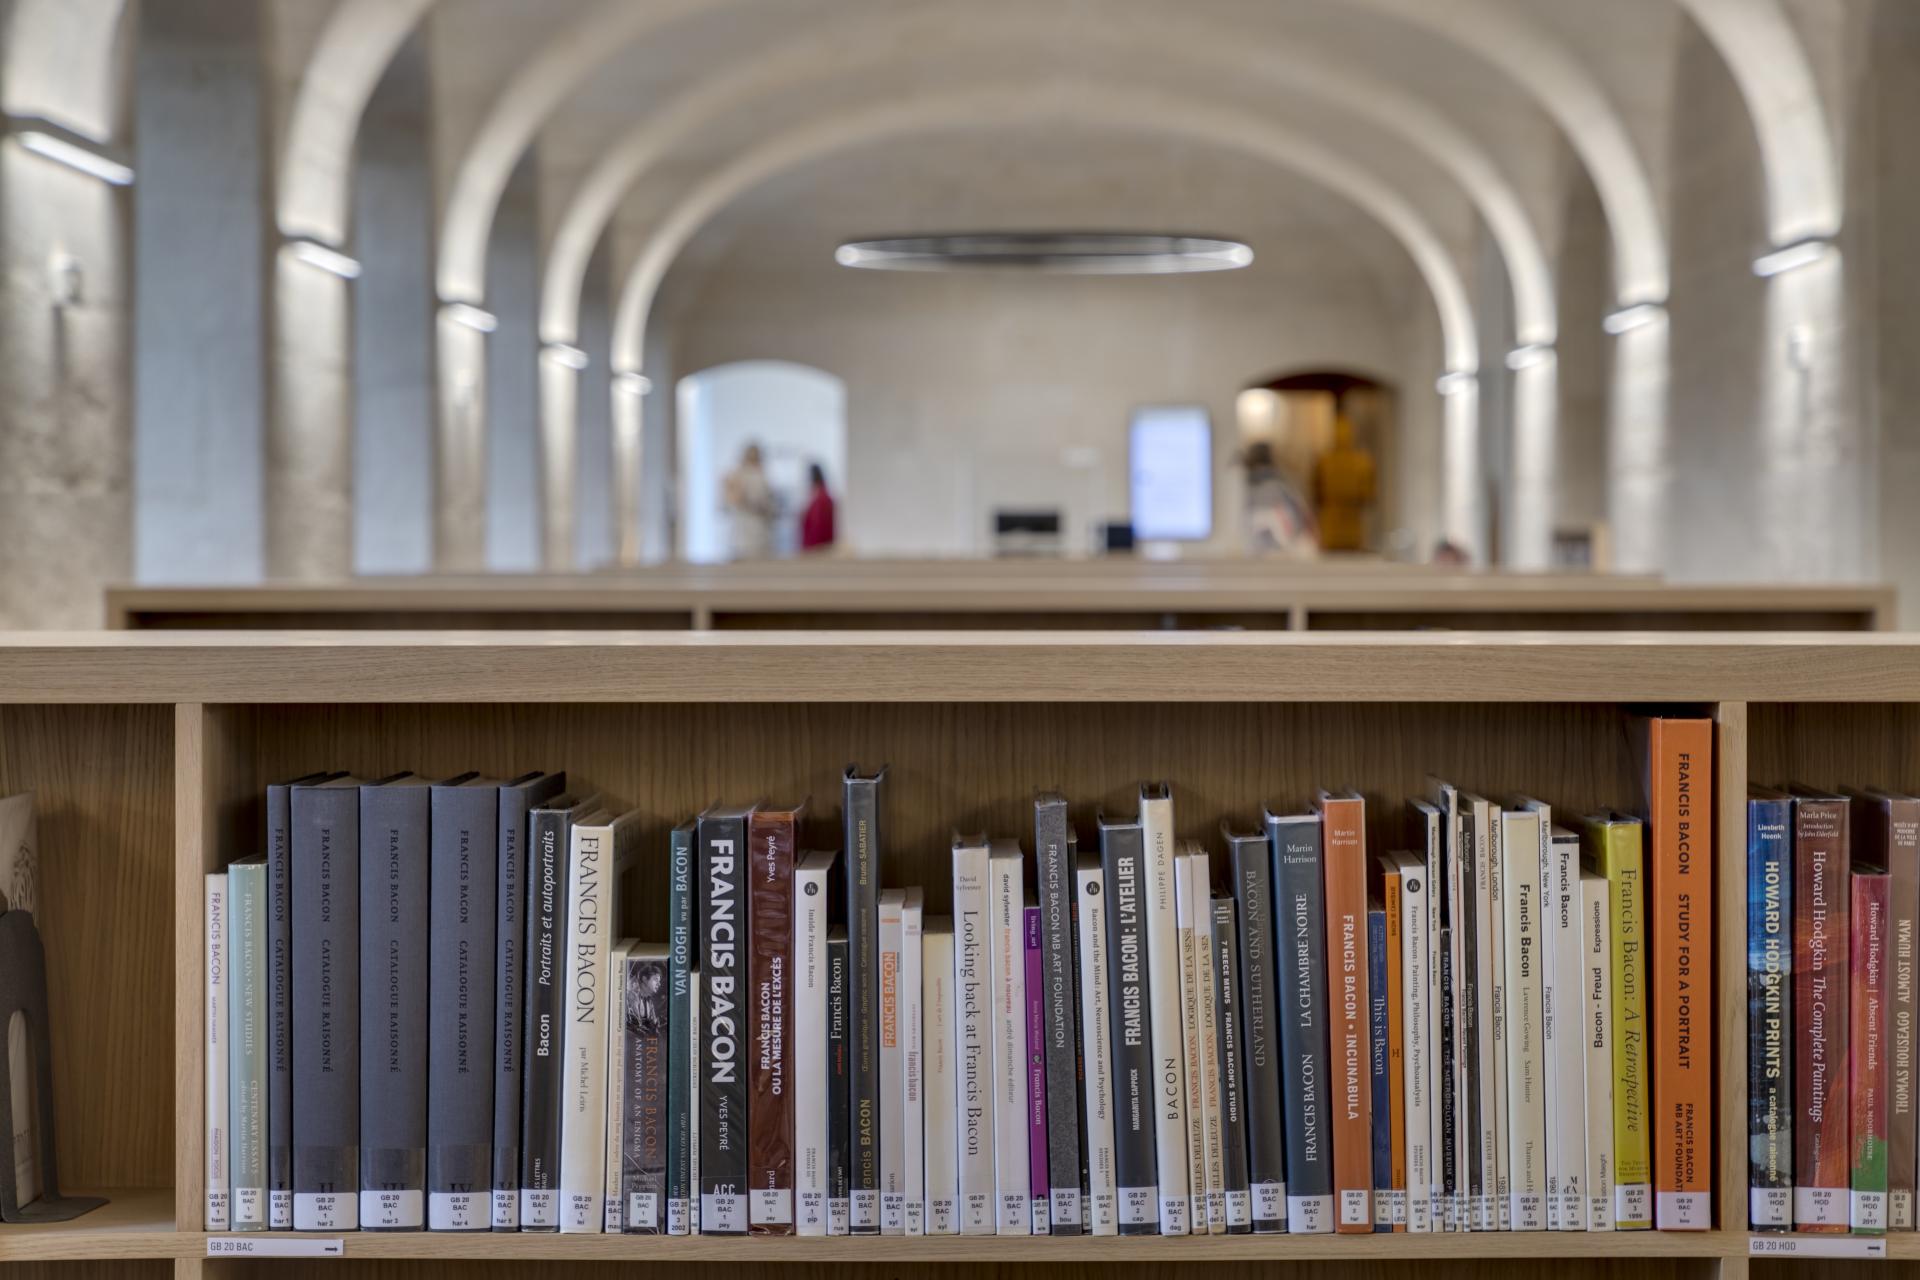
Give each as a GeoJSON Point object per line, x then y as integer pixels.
{"type": "Point", "coordinates": [1098, 253]}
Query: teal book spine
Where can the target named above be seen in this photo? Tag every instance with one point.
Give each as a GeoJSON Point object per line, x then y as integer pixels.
{"type": "Point", "coordinates": [247, 1042]}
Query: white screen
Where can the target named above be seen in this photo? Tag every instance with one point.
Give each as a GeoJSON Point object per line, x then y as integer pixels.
{"type": "Point", "coordinates": [1170, 481]}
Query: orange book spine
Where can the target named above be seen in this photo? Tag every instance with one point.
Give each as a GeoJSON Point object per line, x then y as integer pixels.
{"type": "Point", "coordinates": [1343, 819]}
{"type": "Point", "coordinates": [1396, 1049]}
{"type": "Point", "coordinates": [1679, 762]}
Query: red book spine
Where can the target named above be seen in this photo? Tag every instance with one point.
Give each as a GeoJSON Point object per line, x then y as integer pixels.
{"type": "Point", "coordinates": [1821, 1179]}
{"type": "Point", "coordinates": [1344, 819]}
{"type": "Point", "coordinates": [1872, 895]}
{"type": "Point", "coordinates": [771, 836]}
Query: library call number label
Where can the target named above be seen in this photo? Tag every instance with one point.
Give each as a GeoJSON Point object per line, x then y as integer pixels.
{"type": "Point", "coordinates": [265, 1247]}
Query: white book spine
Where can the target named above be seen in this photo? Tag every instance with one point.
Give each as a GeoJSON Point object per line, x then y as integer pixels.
{"type": "Point", "coordinates": [612, 1203]}
{"type": "Point", "coordinates": [810, 893]}
{"type": "Point", "coordinates": [1561, 1004]}
{"type": "Point", "coordinates": [1008, 947]}
{"type": "Point", "coordinates": [583, 1099]}
{"type": "Point", "coordinates": [942, 1157]}
{"type": "Point", "coordinates": [893, 1200]}
{"type": "Point", "coordinates": [913, 1110]}
{"type": "Point", "coordinates": [1164, 995]}
{"type": "Point", "coordinates": [1596, 948]}
{"type": "Point", "coordinates": [1201, 870]}
{"type": "Point", "coordinates": [973, 995]}
{"type": "Point", "coordinates": [1190, 1057]}
{"type": "Point", "coordinates": [1096, 1049]}
{"type": "Point", "coordinates": [1526, 1061]}
{"type": "Point", "coordinates": [1500, 1184]}
{"type": "Point", "coordinates": [217, 1029]}
{"type": "Point", "coordinates": [1416, 1066]}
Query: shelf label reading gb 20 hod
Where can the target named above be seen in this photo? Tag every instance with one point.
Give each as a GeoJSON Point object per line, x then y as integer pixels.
{"type": "Point", "coordinates": [1799, 1246]}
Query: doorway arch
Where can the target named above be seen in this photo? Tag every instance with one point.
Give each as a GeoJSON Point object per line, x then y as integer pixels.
{"type": "Point", "coordinates": [1292, 416]}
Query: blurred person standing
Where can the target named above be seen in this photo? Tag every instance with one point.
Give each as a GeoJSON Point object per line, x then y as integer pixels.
{"type": "Point", "coordinates": [751, 508]}
{"type": "Point", "coordinates": [1344, 486]}
{"type": "Point", "coordinates": [816, 522]}
{"type": "Point", "coordinates": [1277, 521]}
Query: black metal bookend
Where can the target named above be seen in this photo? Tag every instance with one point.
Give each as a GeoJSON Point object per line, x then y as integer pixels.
{"type": "Point", "coordinates": [23, 987]}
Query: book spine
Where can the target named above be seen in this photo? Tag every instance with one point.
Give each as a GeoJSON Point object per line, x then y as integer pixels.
{"type": "Point", "coordinates": [1190, 1033]}
{"type": "Point", "coordinates": [646, 1035]}
{"type": "Point", "coordinates": [1867, 1213]}
{"type": "Point", "coordinates": [1096, 1047]}
{"type": "Point", "coordinates": [218, 1028]}
{"type": "Point", "coordinates": [973, 990]}
{"type": "Point", "coordinates": [1037, 1152]}
{"type": "Point", "coordinates": [1561, 1006]}
{"type": "Point", "coordinates": [1626, 895]}
{"type": "Point", "coordinates": [942, 1153]}
{"type": "Point", "coordinates": [1301, 922]}
{"type": "Point", "coordinates": [279, 1009]}
{"type": "Point", "coordinates": [394, 1043]}
{"type": "Point", "coordinates": [839, 1085]}
{"type": "Point", "coordinates": [548, 851]}
{"type": "Point", "coordinates": [583, 1111]}
{"type": "Point", "coordinates": [1394, 980]}
{"type": "Point", "coordinates": [1054, 866]}
{"type": "Point", "coordinates": [810, 894]}
{"type": "Point", "coordinates": [326, 1003]}
{"type": "Point", "coordinates": [1210, 1120]}
{"type": "Point", "coordinates": [913, 1110]}
{"type": "Point", "coordinates": [692, 1066]}
{"type": "Point", "coordinates": [460, 1002]}
{"type": "Point", "coordinates": [1471, 1027]}
{"type": "Point", "coordinates": [1345, 871]}
{"type": "Point", "coordinates": [1007, 964]}
{"type": "Point", "coordinates": [861, 810]}
{"type": "Point", "coordinates": [893, 1199]}
{"type": "Point", "coordinates": [1526, 1095]}
{"type": "Point", "coordinates": [511, 970]}
{"type": "Point", "coordinates": [1135, 1163]}
{"type": "Point", "coordinates": [1420, 1045]}
{"type": "Point", "coordinates": [723, 1084]}
{"type": "Point", "coordinates": [1379, 1093]}
{"type": "Point", "coordinates": [1236, 1191]}
{"type": "Point", "coordinates": [1252, 861]}
{"type": "Point", "coordinates": [1597, 1042]}
{"type": "Point", "coordinates": [1448, 1165]}
{"type": "Point", "coordinates": [619, 1085]}
{"type": "Point", "coordinates": [1820, 986]}
{"type": "Point", "coordinates": [769, 1109]}
{"type": "Point", "coordinates": [1499, 1018]}
{"type": "Point", "coordinates": [1769, 1016]}
{"type": "Point", "coordinates": [1164, 996]}
{"type": "Point", "coordinates": [246, 1039]}
{"type": "Point", "coordinates": [1901, 819]}
{"type": "Point", "coordinates": [683, 1047]}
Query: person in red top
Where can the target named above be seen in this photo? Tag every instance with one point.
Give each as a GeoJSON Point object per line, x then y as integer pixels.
{"type": "Point", "coordinates": [816, 523]}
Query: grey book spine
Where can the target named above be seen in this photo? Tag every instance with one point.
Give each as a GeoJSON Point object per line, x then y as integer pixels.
{"type": "Point", "coordinates": [393, 1012]}
{"type": "Point", "coordinates": [460, 1005]}
{"type": "Point", "coordinates": [1227, 1018]}
{"type": "Point", "coordinates": [279, 1007]}
{"type": "Point", "coordinates": [1250, 855]}
{"type": "Point", "coordinates": [862, 815]}
{"type": "Point", "coordinates": [247, 1043]}
{"type": "Point", "coordinates": [1301, 972]}
{"type": "Point", "coordinates": [550, 833]}
{"type": "Point", "coordinates": [646, 1038]}
{"type": "Point", "coordinates": [839, 1085]}
{"type": "Point", "coordinates": [723, 1022]}
{"type": "Point", "coordinates": [1135, 1158]}
{"type": "Point", "coordinates": [1053, 855]}
{"type": "Point", "coordinates": [517, 801]}
{"type": "Point", "coordinates": [326, 1003]}
{"type": "Point", "coordinates": [681, 1094]}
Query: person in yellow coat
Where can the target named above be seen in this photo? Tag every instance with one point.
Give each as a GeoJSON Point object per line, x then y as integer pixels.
{"type": "Point", "coordinates": [1343, 483]}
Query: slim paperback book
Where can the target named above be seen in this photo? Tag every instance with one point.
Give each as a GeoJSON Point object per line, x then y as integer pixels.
{"type": "Point", "coordinates": [1769, 1010]}
{"type": "Point", "coordinates": [1096, 1046]}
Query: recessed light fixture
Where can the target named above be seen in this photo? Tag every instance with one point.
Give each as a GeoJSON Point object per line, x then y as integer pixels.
{"type": "Point", "coordinates": [1638, 315]}
{"type": "Point", "coordinates": [1458, 380]}
{"type": "Point", "coordinates": [48, 141]}
{"type": "Point", "coordinates": [462, 313]}
{"type": "Point", "coordinates": [1100, 253]}
{"type": "Point", "coordinates": [1791, 257]}
{"type": "Point", "coordinates": [565, 353]}
{"type": "Point", "coordinates": [1525, 357]}
{"type": "Point", "coordinates": [633, 382]}
{"type": "Point", "coordinates": [315, 254]}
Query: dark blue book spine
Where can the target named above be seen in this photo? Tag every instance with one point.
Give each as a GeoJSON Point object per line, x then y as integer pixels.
{"type": "Point", "coordinates": [1251, 854]}
{"type": "Point", "coordinates": [1377, 1068]}
{"type": "Point", "coordinates": [517, 800]}
{"type": "Point", "coordinates": [460, 1007]}
{"type": "Point", "coordinates": [681, 1095]}
{"type": "Point", "coordinates": [1770, 1053]}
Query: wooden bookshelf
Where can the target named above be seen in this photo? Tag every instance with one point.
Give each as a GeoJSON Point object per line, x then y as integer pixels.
{"type": "Point", "coordinates": [149, 753]}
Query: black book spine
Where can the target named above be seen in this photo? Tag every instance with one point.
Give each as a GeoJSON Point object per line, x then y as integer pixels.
{"type": "Point", "coordinates": [550, 835]}
{"type": "Point", "coordinates": [393, 1012]}
{"type": "Point", "coordinates": [517, 800]}
{"type": "Point", "coordinates": [723, 1077]}
{"type": "Point", "coordinates": [862, 816]}
{"type": "Point", "coordinates": [1301, 971]}
{"type": "Point", "coordinates": [681, 1094]}
{"type": "Point", "coordinates": [1135, 1159]}
{"type": "Point", "coordinates": [1252, 861]}
{"type": "Point", "coordinates": [279, 1009]}
{"type": "Point", "coordinates": [1475, 1187]}
{"type": "Point", "coordinates": [326, 1003]}
{"type": "Point", "coordinates": [647, 1039]}
{"type": "Point", "coordinates": [1053, 854]}
{"type": "Point", "coordinates": [1233, 1093]}
{"type": "Point", "coordinates": [1449, 1115]}
{"type": "Point", "coordinates": [839, 1086]}
{"type": "Point", "coordinates": [460, 1006]}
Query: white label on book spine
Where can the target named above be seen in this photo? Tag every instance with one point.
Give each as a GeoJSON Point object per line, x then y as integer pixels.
{"type": "Point", "coordinates": [1799, 1246]}
{"type": "Point", "coordinates": [506, 1211]}
{"type": "Point", "coordinates": [216, 1210]}
{"type": "Point", "coordinates": [1382, 1210]}
{"type": "Point", "coordinates": [723, 1213]}
{"type": "Point", "coordinates": [643, 1206]}
{"type": "Point", "coordinates": [864, 1210]}
{"type": "Point", "coordinates": [1173, 1216]}
{"type": "Point", "coordinates": [941, 1220]}
{"type": "Point", "coordinates": [679, 1216]}
{"type": "Point", "coordinates": [1527, 1212]}
{"type": "Point", "coordinates": [324, 1211]}
{"type": "Point", "coordinates": [1820, 1206]}
{"type": "Point", "coordinates": [771, 1207]}
{"type": "Point", "coordinates": [1239, 1209]}
{"type": "Point", "coordinates": [580, 1211]}
{"type": "Point", "coordinates": [893, 1212]}
{"type": "Point", "coordinates": [1309, 1215]}
{"type": "Point", "coordinates": [539, 1210]}
{"type": "Point", "coordinates": [1137, 1207]}
{"type": "Point", "coordinates": [270, 1247]}
{"type": "Point", "coordinates": [454, 1211]}
{"type": "Point", "coordinates": [1899, 1210]}
{"type": "Point", "coordinates": [280, 1207]}
{"type": "Point", "coordinates": [397, 1210]}
{"type": "Point", "coordinates": [1770, 1206]}
{"type": "Point", "coordinates": [1868, 1213]}
{"type": "Point", "coordinates": [1040, 1223]}
{"type": "Point", "coordinates": [1065, 1205]}
{"type": "Point", "coordinates": [249, 1204]}
{"type": "Point", "coordinates": [1015, 1218]}
{"type": "Point", "coordinates": [812, 1206]}
{"type": "Point", "coordinates": [1356, 1208]}
{"type": "Point", "coordinates": [1633, 1203]}
{"type": "Point", "coordinates": [839, 1216]}
{"type": "Point", "coordinates": [1270, 1202]}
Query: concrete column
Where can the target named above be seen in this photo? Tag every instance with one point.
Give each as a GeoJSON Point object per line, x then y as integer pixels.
{"type": "Point", "coordinates": [510, 428]}
{"type": "Point", "coordinates": [600, 463]}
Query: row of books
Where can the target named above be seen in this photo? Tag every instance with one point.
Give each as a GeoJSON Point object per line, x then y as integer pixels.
{"type": "Point", "coordinates": [1833, 896]}
{"type": "Point", "coordinates": [1273, 1031]}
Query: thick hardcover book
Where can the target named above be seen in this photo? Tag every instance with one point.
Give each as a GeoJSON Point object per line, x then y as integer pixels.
{"type": "Point", "coordinates": [1887, 829]}
{"type": "Point", "coordinates": [863, 813]}
{"type": "Point", "coordinates": [1867, 1214]}
{"type": "Point", "coordinates": [1770, 1010]}
{"type": "Point", "coordinates": [1007, 1019]}
{"type": "Point", "coordinates": [811, 894]}
{"type": "Point", "coordinates": [1418, 1042]}
{"type": "Point", "coordinates": [973, 992]}
{"type": "Point", "coordinates": [1235, 1192]}
{"type": "Point", "coordinates": [1611, 846]}
{"type": "Point", "coordinates": [1561, 1006]}
{"type": "Point", "coordinates": [1250, 862]}
{"type": "Point", "coordinates": [1470, 1015]}
{"type": "Point", "coordinates": [1208, 1119]}
{"type": "Point", "coordinates": [1677, 756]}
{"type": "Point", "coordinates": [1822, 858]}
{"type": "Point", "coordinates": [326, 1004]}
{"type": "Point", "coordinates": [1379, 1096]}
{"type": "Point", "coordinates": [1037, 1198]}
{"type": "Point", "coordinates": [725, 1021]}
{"type": "Point", "coordinates": [941, 1079]}
{"type": "Point", "coordinates": [1597, 1041]}
{"type": "Point", "coordinates": [518, 799]}
{"type": "Point", "coordinates": [839, 1084]}
{"type": "Point", "coordinates": [1094, 959]}
{"type": "Point", "coordinates": [893, 1182]}
{"type": "Point", "coordinates": [1190, 1034]}
{"type": "Point", "coordinates": [1123, 867]}
{"type": "Point", "coordinates": [394, 967]}
{"type": "Point", "coordinates": [1300, 925]}
{"type": "Point", "coordinates": [1053, 864]}
{"type": "Point", "coordinates": [1526, 1122]}
{"type": "Point", "coordinates": [1164, 996]}
{"type": "Point", "coordinates": [280, 1001]}
{"type": "Point", "coordinates": [218, 1026]}
{"type": "Point", "coordinates": [646, 1038]}
{"type": "Point", "coordinates": [619, 1087]}
{"type": "Point", "coordinates": [772, 838]}
{"type": "Point", "coordinates": [683, 1049]}
{"type": "Point", "coordinates": [247, 1043]}
{"type": "Point", "coordinates": [913, 1099]}
{"type": "Point", "coordinates": [549, 846]}
{"type": "Point", "coordinates": [1343, 817]}
{"type": "Point", "coordinates": [460, 1003]}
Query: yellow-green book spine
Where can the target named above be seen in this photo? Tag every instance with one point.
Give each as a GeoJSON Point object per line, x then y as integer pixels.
{"type": "Point", "coordinates": [1614, 844]}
